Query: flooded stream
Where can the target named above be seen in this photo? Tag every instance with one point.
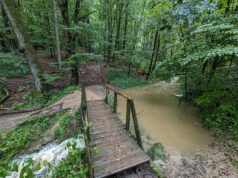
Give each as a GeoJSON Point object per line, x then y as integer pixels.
{"type": "Point", "coordinates": [162, 119]}
{"type": "Point", "coordinates": [51, 154]}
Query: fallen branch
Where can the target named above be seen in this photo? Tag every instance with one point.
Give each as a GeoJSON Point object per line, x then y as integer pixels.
{"type": "Point", "coordinates": [5, 97]}
{"type": "Point", "coordinates": [5, 109]}
{"type": "Point", "coordinates": [20, 111]}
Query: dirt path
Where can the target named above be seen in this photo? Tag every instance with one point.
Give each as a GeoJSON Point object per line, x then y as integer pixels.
{"type": "Point", "coordinates": [72, 100]}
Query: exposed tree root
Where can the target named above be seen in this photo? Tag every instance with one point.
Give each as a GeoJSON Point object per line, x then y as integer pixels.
{"type": "Point", "coordinates": [5, 97]}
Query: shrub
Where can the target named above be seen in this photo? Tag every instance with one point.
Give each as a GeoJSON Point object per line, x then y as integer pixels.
{"type": "Point", "coordinates": [122, 80]}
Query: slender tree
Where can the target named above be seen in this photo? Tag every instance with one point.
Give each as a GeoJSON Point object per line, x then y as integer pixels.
{"type": "Point", "coordinates": [24, 43]}
{"type": "Point", "coordinates": [56, 33]}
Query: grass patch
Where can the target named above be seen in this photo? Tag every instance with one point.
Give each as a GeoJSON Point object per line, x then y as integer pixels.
{"type": "Point", "coordinates": [18, 140]}
{"type": "Point", "coordinates": [35, 99]}
{"type": "Point", "coordinates": [62, 131]}
{"type": "Point", "coordinates": [122, 80]}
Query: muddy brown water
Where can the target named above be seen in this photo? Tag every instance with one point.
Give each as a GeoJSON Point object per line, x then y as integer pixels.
{"type": "Point", "coordinates": [162, 120]}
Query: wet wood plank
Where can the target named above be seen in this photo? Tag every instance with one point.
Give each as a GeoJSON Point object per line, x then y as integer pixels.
{"type": "Point", "coordinates": [112, 149]}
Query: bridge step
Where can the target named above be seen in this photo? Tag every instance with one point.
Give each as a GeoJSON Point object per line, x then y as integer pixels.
{"type": "Point", "coordinates": [112, 149]}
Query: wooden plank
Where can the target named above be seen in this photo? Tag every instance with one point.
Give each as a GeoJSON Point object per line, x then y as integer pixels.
{"type": "Point", "coordinates": [99, 115]}
{"type": "Point", "coordinates": [119, 165]}
{"type": "Point", "coordinates": [112, 148]}
{"type": "Point", "coordinates": [112, 142]}
{"type": "Point", "coordinates": [107, 132]}
{"type": "Point", "coordinates": [117, 151]}
{"type": "Point", "coordinates": [116, 156]}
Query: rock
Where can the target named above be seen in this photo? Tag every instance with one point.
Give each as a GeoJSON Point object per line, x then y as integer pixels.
{"type": "Point", "coordinates": [156, 152]}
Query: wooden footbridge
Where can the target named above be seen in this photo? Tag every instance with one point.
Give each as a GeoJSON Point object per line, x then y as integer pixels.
{"type": "Point", "coordinates": [109, 147]}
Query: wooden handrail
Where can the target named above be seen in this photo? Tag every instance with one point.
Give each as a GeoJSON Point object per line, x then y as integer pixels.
{"type": "Point", "coordinates": [118, 92]}
{"type": "Point", "coordinates": [86, 130]}
{"type": "Point", "coordinates": [130, 110]}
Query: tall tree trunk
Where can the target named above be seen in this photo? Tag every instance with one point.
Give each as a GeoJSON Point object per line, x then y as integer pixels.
{"type": "Point", "coordinates": [157, 54]}
{"type": "Point", "coordinates": [24, 43]}
{"type": "Point", "coordinates": [57, 33]}
{"type": "Point", "coordinates": [12, 42]}
{"type": "Point", "coordinates": [70, 46]}
{"type": "Point", "coordinates": [153, 54]}
{"type": "Point", "coordinates": [117, 42]}
{"type": "Point", "coordinates": [125, 25]}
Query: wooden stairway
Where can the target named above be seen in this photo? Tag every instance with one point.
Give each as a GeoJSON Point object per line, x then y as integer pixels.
{"type": "Point", "coordinates": [112, 150]}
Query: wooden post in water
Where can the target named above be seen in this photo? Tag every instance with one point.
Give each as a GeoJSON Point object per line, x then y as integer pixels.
{"type": "Point", "coordinates": [128, 113]}
{"type": "Point", "coordinates": [137, 130]}
{"type": "Point", "coordinates": [115, 103]}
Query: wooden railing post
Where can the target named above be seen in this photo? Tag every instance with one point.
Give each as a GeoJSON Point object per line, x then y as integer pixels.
{"type": "Point", "coordinates": [130, 110]}
{"type": "Point", "coordinates": [115, 103]}
{"type": "Point", "coordinates": [84, 117]}
{"type": "Point", "coordinates": [128, 113]}
{"type": "Point", "coordinates": [136, 125]}
{"type": "Point", "coordinates": [107, 93]}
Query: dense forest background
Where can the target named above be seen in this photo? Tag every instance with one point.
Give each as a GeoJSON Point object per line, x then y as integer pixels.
{"type": "Point", "coordinates": [196, 40]}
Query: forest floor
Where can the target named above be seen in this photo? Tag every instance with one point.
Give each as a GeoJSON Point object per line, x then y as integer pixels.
{"type": "Point", "coordinates": [216, 161]}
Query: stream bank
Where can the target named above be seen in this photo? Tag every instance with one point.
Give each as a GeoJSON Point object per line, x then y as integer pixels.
{"type": "Point", "coordinates": [189, 148]}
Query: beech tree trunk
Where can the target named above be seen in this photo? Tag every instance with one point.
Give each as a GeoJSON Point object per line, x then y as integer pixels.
{"type": "Point", "coordinates": [24, 43]}
{"type": "Point", "coordinates": [70, 38]}
{"type": "Point", "coordinates": [57, 33]}
{"type": "Point", "coordinates": [125, 26]}
{"type": "Point", "coordinates": [153, 54]}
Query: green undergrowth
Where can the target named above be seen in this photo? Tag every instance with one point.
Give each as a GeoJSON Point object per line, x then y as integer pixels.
{"type": "Point", "coordinates": [74, 165]}
{"type": "Point", "coordinates": [2, 94]}
{"type": "Point", "coordinates": [18, 141]}
{"type": "Point", "coordinates": [65, 128]}
{"type": "Point", "coordinates": [35, 99]}
{"type": "Point", "coordinates": [122, 80]}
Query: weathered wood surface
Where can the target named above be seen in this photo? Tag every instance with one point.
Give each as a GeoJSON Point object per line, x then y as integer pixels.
{"type": "Point", "coordinates": [112, 150]}
{"type": "Point", "coordinates": [118, 92]}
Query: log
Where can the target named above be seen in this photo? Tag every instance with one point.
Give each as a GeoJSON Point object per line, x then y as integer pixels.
{"type": "Point", "coordinates": [20, 111]}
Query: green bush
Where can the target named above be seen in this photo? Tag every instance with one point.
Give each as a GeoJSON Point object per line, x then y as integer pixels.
{"type": "Point", "coordinates": [12, 66]}
{"type": "Point", "coordinates": [61, 131]}
{"type": "Point", "coordinates": [122, 80]}
{"type": "Point", "coordinates": [73, 165]}
{"type": "Point", "coordinates": [218, 105]}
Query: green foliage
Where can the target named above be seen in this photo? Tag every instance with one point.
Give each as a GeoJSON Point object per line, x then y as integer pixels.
{"type": "Point", "coordinates": [122, 80]}
{"type": "Point", "coordinates": [17, 105]}
{"type": "Point", "coordinates": [18, 140]}
{"type": "Point", "coordinates": [26, 170]}
{"type": "Point", "coordinates": [61, 131]}
{"type": "Point", "coordinates": [156, 170]}
{"type": "Point", "coordinates": [73, 165]}
{"type": "Point", "coordinates": [11, 66]}
{"type": "Point", "coordinates": [35, 99]}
